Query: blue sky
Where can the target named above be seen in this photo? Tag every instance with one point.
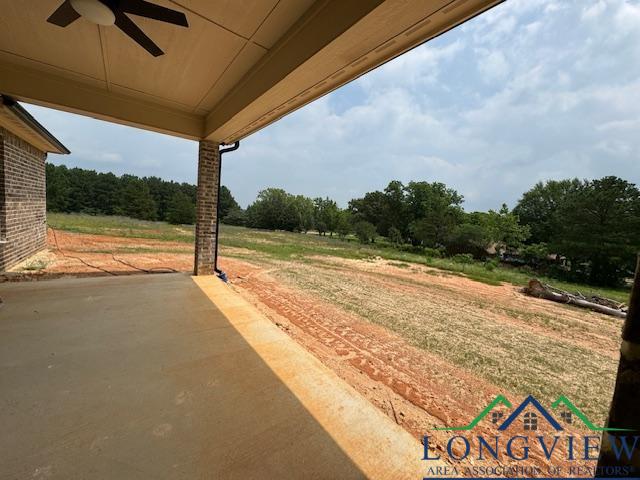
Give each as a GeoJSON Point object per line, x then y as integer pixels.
{"type": "Point", "coordinates": [531, 90]}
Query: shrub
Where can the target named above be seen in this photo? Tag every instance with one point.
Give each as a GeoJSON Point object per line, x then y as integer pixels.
{"type": "Point", "coordinates": [464, 258]}
{"type": "Point", "coordinates": [433, 252]}
{"type": "Point", "coordinates": [365, 231]}
{"type": "Point", "coordinates": [395, 236]}
{"type": "Point", "coordinates": [491, 265]}
{"type": "Point", "coordinates": [407, 247]}
{"type": "Point", "coordinates": [236, 216]}
{"type": "Point", "coordinates": [468, 238]}
{"type": "Point", "coordinates": [535, 254]}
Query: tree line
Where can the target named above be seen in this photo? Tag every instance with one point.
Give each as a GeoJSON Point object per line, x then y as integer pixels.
{"type": "Point", "coordinates": [581, 230]}
{"type": "Point", "coordinates": [76, 190]}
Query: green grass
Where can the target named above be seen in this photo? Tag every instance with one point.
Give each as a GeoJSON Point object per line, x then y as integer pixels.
{"type": "Point", "coordinates": [115, 226]}
{"type": "Point", "coordinates": [303, 247]}
{"type": "Point", "coordinates": [286, 245]}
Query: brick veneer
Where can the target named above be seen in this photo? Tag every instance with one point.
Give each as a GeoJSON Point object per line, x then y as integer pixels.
{"type": "Point", "coordinates": [206, 207]}
{"type": "Point", "coordinates": [23, 216]}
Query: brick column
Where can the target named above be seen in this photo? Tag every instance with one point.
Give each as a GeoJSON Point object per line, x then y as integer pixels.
{"type": "Point", "coordinates": [206, 207]}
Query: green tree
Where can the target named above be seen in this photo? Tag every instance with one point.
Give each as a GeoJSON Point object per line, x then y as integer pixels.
{"type": "Point", "coordinates": [395, 236]}
{"type": "Point", "coordinates": [370, 208]}
{"type": "Point", "coordinates": [107, 193]}
{"type": "Point", "coordinates": [365, 231]}
{"type": "Point", "coordinates": [137, 201]}
{"type": "Point", "coordinates": [57, 188]}
{"type": "Point", "coordinates": [227, 202]}
{"type": "Point", "coordinates": [344, 225]}
{"type": "Point", "coordinates": [162, 193]}
{"type": "Point", "coordinates": [273, 209]}
{"type": "Point", "coordinates": [538, 208]}
{"type": "Point", "coordinates": [326, 215]}
{"type": "Point", "coordinates": [236, 216]}
{"type": "Point", "coordinates": [181, 209]}
{"type": "Point", "coordinates": [79, 190]}
{"type": "Point", "coordinates": [535, 254]}
{"type": "Point", "coordinates": [502, 227]}
{"type": "Point", "coordinates": [468, 238]}
{"type": "Point", "coordinates": [600, 230]}
{"type": "Point", "coordinates": [81, 193]}
{"type": "Point", "coordinates": [305, 211]}
{"type": "Point", "coordinates": [394, 213]}
{"type": "Point", "coordinates": [435, 210]}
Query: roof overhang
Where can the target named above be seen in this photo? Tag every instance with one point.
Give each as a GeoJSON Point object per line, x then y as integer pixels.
{"type": "Point", "coordinates": [238, 67]}
{"type": "Point", "coordinates": [18, 121]}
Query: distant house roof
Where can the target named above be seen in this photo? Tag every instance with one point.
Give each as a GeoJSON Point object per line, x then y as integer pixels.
{"type": "Point", "coordinates": [17, 120]}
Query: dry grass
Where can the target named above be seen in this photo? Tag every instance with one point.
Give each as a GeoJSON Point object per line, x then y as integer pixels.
{"type": "Point", "coordinates": [514, 347]}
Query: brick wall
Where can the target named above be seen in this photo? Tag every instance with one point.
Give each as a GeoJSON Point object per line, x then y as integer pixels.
{"type": "Point", "coordinates": [23, 229]}
{"type": "Point", "coordinates": [206, 205]}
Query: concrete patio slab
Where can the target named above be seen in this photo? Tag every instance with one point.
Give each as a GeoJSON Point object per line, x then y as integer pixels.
{"type": "Point", "coordinates": [169, 376]}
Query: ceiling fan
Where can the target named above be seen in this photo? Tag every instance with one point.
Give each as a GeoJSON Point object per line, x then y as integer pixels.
{"type": "Point", "coordinates": [113, 12]}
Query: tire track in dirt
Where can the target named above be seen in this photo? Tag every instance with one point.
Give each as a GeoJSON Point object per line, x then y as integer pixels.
{"type": "Point", "coordinates": [420, 391]}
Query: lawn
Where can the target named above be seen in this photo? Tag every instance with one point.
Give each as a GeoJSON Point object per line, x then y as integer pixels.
{"type": "Point", "coordinates": [116, 226]}
{"type": "Point", "coordinates": [286, 245]}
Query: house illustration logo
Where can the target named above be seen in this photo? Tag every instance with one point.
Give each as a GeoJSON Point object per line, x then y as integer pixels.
{"type": "Point", "coordinates": [532, 413]}
{"type": "Point", "coordinates": [555, 432]}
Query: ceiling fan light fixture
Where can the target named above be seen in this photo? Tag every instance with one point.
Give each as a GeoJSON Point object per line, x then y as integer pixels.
{"type": "Point", "coordinates": [95, 11]}
{"type": "Point", "coordinates": [115, 12]}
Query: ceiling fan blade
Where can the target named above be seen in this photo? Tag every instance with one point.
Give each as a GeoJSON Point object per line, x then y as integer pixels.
{"type": "Point", "coordinates": [151, 10]}
{"type": "Point", "coordinates": [64, 15]}
{"type": "Point", "coordinates": [125, 24]}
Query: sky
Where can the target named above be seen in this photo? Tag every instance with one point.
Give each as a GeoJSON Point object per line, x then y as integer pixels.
{"type": "Point", "coordinates": [531, 90]}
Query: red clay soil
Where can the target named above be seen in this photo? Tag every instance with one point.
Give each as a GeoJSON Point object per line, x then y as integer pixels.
{"type": "Point", "coordinates": [417, 390]}
{"type": "Point", "coordinates": [81, 255]}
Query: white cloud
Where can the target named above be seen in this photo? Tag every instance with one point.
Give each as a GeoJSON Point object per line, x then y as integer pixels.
{"type": "Point", "coordinates": [101, 157]}
{"type": "Point", "coordinates": [526, 92]}
{"type": "Point", "coordinates": [593, 10]}
{"type": "Point", "coordinates": [492, 64]}
{"type": "Point", "coordinates": [531, 90]}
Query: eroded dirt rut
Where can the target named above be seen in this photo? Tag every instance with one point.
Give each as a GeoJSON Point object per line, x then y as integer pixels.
{"type": "Point", "coordinates": [417, 389]}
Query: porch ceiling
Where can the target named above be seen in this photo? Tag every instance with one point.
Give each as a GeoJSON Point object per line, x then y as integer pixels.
{"type": "Point", "coordinates": [240, 65]}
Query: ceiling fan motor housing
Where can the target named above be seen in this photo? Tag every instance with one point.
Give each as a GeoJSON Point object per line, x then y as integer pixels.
{"type": "Point", "coordinates": [95, 11]}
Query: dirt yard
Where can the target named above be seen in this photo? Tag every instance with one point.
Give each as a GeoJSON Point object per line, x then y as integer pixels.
{"type": "Point", "coordinates": [429, 348]}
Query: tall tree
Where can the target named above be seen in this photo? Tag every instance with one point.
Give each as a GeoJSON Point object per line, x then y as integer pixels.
{"type": "Point", "coordinates": [305, 210]}
{"type": "Point", "coordinates": [394, 213]}
{"type": "Point", "coordinates": [538, 207]}
{"type": "Point", "coordinates": [502, 228]}
{"type": "Point", "coordinates": [227, 202]}
{"type": "Point", "coordinates": [435, 211]}
{"type": "Point", "coordinates": [274, 210]}
{"type": "Point", "coordinates": [79, 190]}
{"type": "Point", "coordinates": [137, 201]}
{"type": "Point", "coordinates": [370, 208]}
{"type": "Point", "coordinates": [326, 215]}
{"type": "Point", "coordinates": [181, 209]}
{"type": "Point", "coordinates": [57, 188]}
{"type": "Point", "coordinates": [600, 230]}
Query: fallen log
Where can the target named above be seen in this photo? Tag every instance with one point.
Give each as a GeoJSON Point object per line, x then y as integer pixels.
{"type": "Point", "coordinates": [536, 288]}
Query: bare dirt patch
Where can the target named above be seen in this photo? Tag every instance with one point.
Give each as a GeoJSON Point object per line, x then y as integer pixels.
{"type": "Point", "coordinates": [418, 388]}
{"type": "Point", "coordinates": [76, 254]}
